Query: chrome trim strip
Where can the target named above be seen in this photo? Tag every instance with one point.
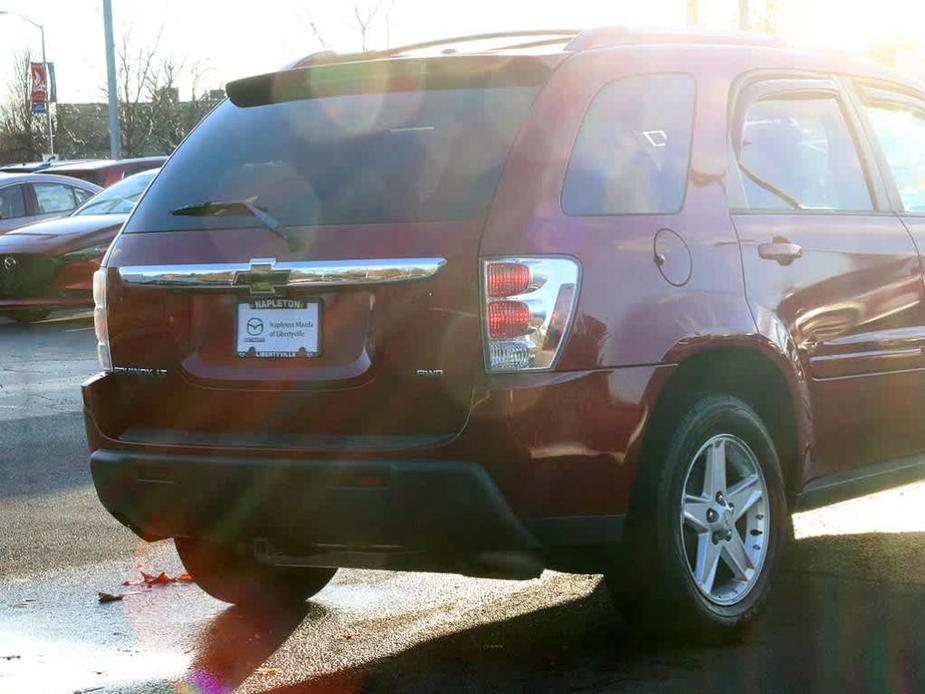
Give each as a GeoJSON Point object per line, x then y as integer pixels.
{"type": "Point", "coordinates": [309, 274]}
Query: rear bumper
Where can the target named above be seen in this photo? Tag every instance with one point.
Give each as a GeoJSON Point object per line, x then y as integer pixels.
{"type": "Point", "coordinates": [423, 515]}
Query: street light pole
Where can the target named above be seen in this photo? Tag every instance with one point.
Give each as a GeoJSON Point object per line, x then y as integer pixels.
{"type": "Point", "coordinates": [115, 133]}
{"type": "Point", "coordinates": [41, 28]}
{"type": "Point", "coordinates": [51, 137]}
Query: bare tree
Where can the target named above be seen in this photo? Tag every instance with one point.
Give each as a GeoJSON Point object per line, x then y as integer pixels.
{"type": "Point", "coordinates": [766, 19]}
{"type": "Point", "coordinates": [137, 73]}
{"type": "Point", "coordinates": [370, 18]}
{"type": "Point", "coordinates": [153, 118]}
{"type": "Point", "coordinates": [693, 12]}
{"type": "Point", "coordinates": [22, 137]}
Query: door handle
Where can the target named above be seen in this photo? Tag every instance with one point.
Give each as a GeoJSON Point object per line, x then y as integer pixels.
{"type": "Point", "coordinates": [781, 250]}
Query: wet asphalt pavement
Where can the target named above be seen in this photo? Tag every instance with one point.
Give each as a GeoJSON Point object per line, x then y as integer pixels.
{"type": "Point", "coordinates": [847, 614]}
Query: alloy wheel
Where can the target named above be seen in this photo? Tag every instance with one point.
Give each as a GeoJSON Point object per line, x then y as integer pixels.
{"type": "Point", "coordinates": [724, 520]}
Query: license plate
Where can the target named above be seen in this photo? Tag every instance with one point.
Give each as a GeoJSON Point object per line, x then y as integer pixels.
{"type": "Point", "coordinates": [279, 328]}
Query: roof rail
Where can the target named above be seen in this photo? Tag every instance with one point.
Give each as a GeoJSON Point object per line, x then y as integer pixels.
{"type": "Point", "coordinates": [540, 34]}
{"type": "Point", "coordinates": [479, 37]}
{"type": "Point", "coordinates": [575, 40]}
{"type": "Point", "coordinates": [608, 37]}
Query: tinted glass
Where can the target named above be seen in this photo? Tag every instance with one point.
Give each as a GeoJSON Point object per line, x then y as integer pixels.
{"type": "Point", "coordinates": [54, 197]}
{"type": "Point", "coordinates": [799, 153]}
{"type": "Point", "coordinates": [82, 195]}
{"type": "Point", "coordinates": [354, 159]}
{"type": "Point", "coordinates": [120, 198]}
{"type": "Point", "coordinates": [12, 202]}
{"type": "Point", "coordinates": [633, 149]}
{"type": "Point", "coordinates": [901, 133]}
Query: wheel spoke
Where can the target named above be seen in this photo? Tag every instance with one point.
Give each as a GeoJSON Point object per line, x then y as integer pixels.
{"type": "Point", "coordinates": [707, 561]}
{"type": "Point", "coordinates": [714, 477]}
{"type": "Point", "coordinates": [745, 494]}
{"type": "Point", "coordinates": [736, 557]}
{"type": "Point", "coordinates": [695, 513]}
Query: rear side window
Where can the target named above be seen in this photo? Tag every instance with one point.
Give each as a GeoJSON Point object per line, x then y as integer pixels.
{"type": "Point", "coordinates": [12, 203]}
{"type": "Point", "coordinates": [404, 156]}
{"type": "Point", "coordinates": [82, 195]}
{"type": "Point", "coordinates": [54, 197]}
{"type": "Point", "coordinates": [798, 153]}
{"type": "Point", "coordinates": [633, 149]}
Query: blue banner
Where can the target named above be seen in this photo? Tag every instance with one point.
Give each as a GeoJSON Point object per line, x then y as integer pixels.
{"type": "Point", "coordinates": [52, 84]}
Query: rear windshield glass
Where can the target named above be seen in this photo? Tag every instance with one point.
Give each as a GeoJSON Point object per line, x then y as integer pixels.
{"type": "Point", "coordinates": [349, 159]}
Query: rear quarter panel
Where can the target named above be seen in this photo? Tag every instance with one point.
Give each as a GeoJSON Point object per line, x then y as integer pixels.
{"type": "Point", "coordinates": [630, 321]}
{"type": "Point", "coordinates": [628, 314]}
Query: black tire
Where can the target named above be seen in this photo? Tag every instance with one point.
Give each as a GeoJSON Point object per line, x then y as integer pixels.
{"type": "Point", "coordinates": [653, 582]}
{"type": "Point", "coordinates": [232, 575]}
{"type": "Point", "coordinates": [29, 316]}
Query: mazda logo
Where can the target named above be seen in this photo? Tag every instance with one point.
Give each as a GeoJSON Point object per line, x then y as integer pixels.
{"type": "Point", "coordinates": [9, 263]}
{"type": "Point", "coordinates": [254, 326]}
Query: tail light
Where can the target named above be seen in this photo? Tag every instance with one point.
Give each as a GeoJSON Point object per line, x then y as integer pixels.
{"type": "Point", "coordinates": [528, 304]}
{"type": "Point", "coordinates": [100, 320]}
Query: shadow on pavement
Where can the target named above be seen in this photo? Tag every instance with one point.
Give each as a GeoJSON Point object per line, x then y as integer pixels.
{"type": "Point", "coordinates": [847, 615]}
{"type": "Point", "coordinates": [238, 641]}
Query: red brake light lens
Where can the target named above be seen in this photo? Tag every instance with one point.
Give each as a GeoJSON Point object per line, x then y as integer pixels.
{"type": "Point", "coordinates": [528, 303]}
{"type": "Point", "coordinates": [508, 319]}
{"type": "Point", "coordinates": [507, 279]}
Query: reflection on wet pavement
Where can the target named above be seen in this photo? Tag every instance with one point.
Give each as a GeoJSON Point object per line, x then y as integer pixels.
{"type": "Point", "coordinates": [847, 615]}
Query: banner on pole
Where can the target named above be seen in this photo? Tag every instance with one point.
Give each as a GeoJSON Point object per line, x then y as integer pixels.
{"type": "Point", "coordinates": [39, 88]}
{"type": "Point", "coordinates": [52, 84]}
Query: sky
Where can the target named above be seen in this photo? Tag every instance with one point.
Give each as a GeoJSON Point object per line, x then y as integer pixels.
{"type": "Point", "coordinates": [236, 38]}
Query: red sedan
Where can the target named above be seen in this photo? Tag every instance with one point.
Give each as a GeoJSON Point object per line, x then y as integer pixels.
{"type": "Point", "coordinates": [50, 265]}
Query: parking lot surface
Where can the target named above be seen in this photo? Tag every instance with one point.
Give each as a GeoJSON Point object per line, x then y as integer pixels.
{"type": "Point", "coordinates": [847, 613]}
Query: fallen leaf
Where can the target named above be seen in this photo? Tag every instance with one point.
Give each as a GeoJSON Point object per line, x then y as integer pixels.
{"type": "Point", "coordinates": [161, 579]}
{"type": "Point", "coordinates": [109, 597]}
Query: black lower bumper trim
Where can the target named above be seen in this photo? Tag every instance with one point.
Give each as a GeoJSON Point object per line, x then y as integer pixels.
{"type": "Point", "coordinates": [450, 512]}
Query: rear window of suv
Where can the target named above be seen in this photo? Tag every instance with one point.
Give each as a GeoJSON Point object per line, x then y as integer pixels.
{"type": "Point", "coordinates": [379, 157]}
{"type": "Point", "coordinates": [633, 150]}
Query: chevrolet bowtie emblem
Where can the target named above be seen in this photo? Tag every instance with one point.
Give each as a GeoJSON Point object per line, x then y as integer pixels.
{"type": "Point", "coordinates": [262, 277]}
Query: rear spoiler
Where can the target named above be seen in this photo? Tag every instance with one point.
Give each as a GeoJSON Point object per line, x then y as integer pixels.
{"type": "Point", "coordinates": [401, 74]}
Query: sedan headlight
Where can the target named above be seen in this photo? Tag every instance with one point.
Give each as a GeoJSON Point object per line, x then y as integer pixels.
{"type": "Point", "coordinates": [84, 254]}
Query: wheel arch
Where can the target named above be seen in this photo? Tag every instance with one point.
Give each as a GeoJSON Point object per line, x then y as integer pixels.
{"type": "Point", "coordinates": [753, 370]}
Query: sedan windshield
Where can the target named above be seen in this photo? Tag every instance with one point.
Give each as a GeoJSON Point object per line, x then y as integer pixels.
{"type": "Point", "coordinates": [120, 198]}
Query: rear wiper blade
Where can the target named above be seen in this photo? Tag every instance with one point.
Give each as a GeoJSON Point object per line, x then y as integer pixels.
{"type": "Point", "coordinates": [217, 208]}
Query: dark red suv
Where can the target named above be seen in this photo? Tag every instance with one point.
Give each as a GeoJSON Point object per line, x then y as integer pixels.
{"type": "Point", "coordinates": [612, 302]}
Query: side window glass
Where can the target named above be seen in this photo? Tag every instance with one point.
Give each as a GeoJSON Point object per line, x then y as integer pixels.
{"type": "Point", "coordinates": [798, 153]}
{"type": "Point", "coordinates": [54, 197]}
{"type": "Point", "coordinates": [82, 195]}
{"type": "Point", "coordinates": [633, 149]}
{"type": "Point", "coordinates": [900, 130]}
{"type": "Point", "coordinates": [12, 202]}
